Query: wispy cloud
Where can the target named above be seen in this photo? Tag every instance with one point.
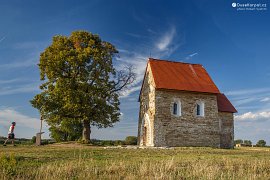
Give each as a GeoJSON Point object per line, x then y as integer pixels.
{"type": "Point", "coordinates": [9, 81]}
{"type": "Point", "coordinates": [250, 116]}
{"type": "Point", "coordinates": [39, 45]}
{"type": "Point", "coordinates": [139, 62]}
{"type": "Point", "coordinates": [265, 99]}
{"type": "Point", "coordinates": [29, 59]}
{"type": "Point", "coordinates": [7, 115]}
{"type": "Point", "coordinates": [191, 56]}
{"type": "Point", "coordinates": [166, 40]}
{"type": "Point", "coordinates": [20, 64]}
{"type": "Point", "coordinates": [256, 96]}
{"type": "Point", "coordinates": [162, 45]}
{"type": "Point", "coordinates": [19, 89]}
{"type": "Point", "coordinates": [130, 91]}
{"type": "Point", "coordinates": [2, 39]}
{"type": "Point", "coordinates": [15, 80]}
{"type": "Point", "coordinates": [135, 35]}
{"type": "Point", "coordinates": [248, 91]}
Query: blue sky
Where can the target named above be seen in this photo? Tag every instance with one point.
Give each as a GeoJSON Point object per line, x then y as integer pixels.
{"type": "Point", "coordinates": [234, 47]}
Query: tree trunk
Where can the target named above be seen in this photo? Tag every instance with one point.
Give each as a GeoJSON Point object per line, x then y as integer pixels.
{"type": "Point", "coordinates": [86, 132]}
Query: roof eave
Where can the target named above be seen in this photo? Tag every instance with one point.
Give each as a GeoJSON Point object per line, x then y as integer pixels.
{"type": "Point", "coordinates": [229, 111]}
{"type": "Point", "coordinates": [188, 91]}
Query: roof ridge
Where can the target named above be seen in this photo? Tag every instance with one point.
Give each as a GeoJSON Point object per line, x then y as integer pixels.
{"type": "Point", "coordinates": [173, 61]}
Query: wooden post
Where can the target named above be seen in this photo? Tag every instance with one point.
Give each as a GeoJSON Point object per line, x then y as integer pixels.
{"type": "Point", "coordinates": [41, 119]}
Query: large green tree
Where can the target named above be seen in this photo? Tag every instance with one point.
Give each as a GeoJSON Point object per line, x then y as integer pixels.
{"type": "Point", "coordinates": [79, 83]}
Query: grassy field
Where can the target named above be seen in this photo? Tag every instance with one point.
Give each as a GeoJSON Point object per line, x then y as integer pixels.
{"type": "Point", "coordinates": [86, 162]}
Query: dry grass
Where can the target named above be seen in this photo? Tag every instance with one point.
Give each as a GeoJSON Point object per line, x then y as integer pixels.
{"type": "Point", "coordinates": [82, 162]}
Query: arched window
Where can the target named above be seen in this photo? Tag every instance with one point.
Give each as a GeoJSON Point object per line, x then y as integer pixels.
{"type": "Point", "coordinates": [176, 109]}
{"type": "Point", "coordinates": [200, 109]}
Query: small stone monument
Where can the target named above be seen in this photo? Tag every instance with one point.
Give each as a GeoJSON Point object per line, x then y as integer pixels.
{"type": "Point", "coordinates": [38, 138]}
{"type": "Point", "coordinates": [38, 135]}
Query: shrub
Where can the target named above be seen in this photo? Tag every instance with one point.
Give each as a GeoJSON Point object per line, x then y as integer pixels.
{"type": "Point", "coordinates": [97, 142]}
{"type": "Point", "coordinates": [248, 142]}
{"type": "Point", "coordinates": [34, 139]}
{"type": "Point", "coordinates": [261, 143]}
{"type": "Point", "coordinates": [131, 140]}
{"type": "Point", "coordinates": [238, 141]}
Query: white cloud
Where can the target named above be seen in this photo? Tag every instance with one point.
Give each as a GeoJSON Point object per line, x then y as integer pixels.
{"type": "Point", "coordinates": [265, 99]}
{"type": "Point", "coordinates": [265, 115]}
{"type": "Point", "coordinates": [8, 115]}
{"type": "Point", "coordinates": [166, 40]}
{"type": "Point", "coordinates": [127, 92]}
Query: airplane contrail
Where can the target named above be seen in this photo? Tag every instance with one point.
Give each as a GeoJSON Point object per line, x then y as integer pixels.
{"type": "Point", "coordinates": [2, 39]}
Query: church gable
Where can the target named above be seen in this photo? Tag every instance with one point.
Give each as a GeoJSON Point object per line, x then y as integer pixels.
{"type": "Point", "coordinates": [147, 109]}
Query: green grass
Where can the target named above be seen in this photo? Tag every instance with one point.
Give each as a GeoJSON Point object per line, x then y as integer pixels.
{"type": "Point", "coordinates": [86, 162]}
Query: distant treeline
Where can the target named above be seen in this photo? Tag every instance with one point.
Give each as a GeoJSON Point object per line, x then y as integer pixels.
{"type": "Point", "coordinates": [129, 140]}
{"type": "Point", "coordinates": [17, 140]}
{"type": "Point", "coordinates": [260, 143]}
{"type": "Point", "coordinates": [25, 141]}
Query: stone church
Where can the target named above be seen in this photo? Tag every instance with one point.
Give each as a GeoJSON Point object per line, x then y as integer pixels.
{"type": "Point", "coordinates": [180, 105]}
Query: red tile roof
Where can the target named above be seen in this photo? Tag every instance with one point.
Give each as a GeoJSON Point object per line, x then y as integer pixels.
{"type": "Point", "coordinates": [224, 105]}
{"type": "Point", "coordinates": [181, 76]}
{"type": "Point", "coordinates": [187, 77]}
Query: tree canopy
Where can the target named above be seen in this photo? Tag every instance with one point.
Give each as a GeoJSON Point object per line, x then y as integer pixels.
{"type": "Point", "coordinates": [79, 83]}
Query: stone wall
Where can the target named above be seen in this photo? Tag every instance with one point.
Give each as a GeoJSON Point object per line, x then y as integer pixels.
{"type": "Point", "coordinates": [147, 110]}
{"type": "Point", "coordinates": [187, 129]}
{"type": "Point", "coordinates": [227, 130]}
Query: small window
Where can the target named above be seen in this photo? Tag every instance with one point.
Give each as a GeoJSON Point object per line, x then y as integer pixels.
{"type": "Point", "coordinates": [200, 109]}
{"type": "Point", "coordinates": [176, 109]}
